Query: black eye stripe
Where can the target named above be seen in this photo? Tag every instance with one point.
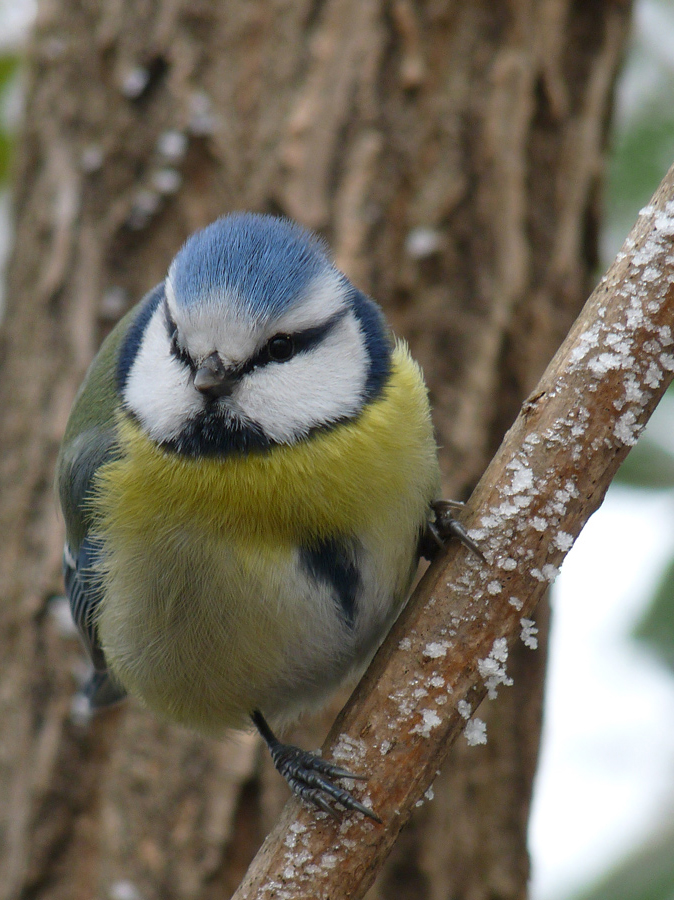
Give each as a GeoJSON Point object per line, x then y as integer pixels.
{"type": "Point", "coordinates": [302, 341]}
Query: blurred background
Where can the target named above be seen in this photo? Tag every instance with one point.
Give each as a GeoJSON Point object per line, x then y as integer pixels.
{"type": "Point", "coordinates": [603, 815]}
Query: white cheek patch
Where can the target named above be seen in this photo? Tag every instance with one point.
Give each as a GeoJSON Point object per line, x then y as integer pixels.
{"type": "Point", "coordinates": [314, 388]}
{"type": "Point", "coordinates": [158, 389]}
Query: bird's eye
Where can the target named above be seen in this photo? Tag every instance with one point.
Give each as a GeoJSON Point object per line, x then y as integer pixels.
{"type": "Point", "coordinates": [280, 347]}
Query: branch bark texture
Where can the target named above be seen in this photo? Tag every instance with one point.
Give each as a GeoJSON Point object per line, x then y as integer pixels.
{"type": "Point", "coordinates": [450, 646]}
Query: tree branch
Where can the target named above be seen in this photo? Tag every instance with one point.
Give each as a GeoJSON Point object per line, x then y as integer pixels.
{"type": "Point", "coordinates": [449, 646]}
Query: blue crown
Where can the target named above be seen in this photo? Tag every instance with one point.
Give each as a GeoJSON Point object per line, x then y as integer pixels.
{"type": "Point", "coordinates": [264, 264]}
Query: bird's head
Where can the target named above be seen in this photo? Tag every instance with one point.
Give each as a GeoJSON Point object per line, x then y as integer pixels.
{"type": "Point", "coordinates": [254, 339]}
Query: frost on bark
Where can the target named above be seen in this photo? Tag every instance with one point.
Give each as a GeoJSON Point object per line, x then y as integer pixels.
{"type": "Point", "coordinates": [452, 156]}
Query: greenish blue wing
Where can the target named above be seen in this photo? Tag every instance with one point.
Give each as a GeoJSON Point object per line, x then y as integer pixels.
{"type": "Point", "coordinates": [89, 442]}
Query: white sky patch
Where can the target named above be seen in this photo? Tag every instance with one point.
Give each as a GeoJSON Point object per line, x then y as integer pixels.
{"type": "Point", "coordinates": [605, 777]}
{"type": "Point", "coordinates": [475, 732]}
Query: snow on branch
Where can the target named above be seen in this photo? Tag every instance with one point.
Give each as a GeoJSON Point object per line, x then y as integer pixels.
{"type": "Point", "coordinates": [450, 646]}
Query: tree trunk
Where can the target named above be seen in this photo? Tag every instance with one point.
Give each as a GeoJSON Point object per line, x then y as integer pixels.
{"type": "Point", "coordinates": [452, 156]}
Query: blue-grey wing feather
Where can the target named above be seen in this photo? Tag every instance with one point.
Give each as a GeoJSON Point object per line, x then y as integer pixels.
{"type": "Point", "coordinates": [84, 592]}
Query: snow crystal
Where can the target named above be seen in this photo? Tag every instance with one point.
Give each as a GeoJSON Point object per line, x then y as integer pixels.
{"type": "Point", "coordinates": [653, 376]}
{"type": "Point", "coordinates": [664, 224]}
{"type": "Point", "coordinates": [405, 644]}
{"type": "Point", "coordinates": [508, 564]}
{"type": "Point", "coordinates": [563, 541]}
{"type": "Point", "coordinates": [550, 572]}
{"type": "Point", "coordinates": [492, 669]}
{"type": "Point", "coordinates": [349, 749]}
{"type": "Point", "coordinates": [494, 588]}
{"type": "Point", "coordinates": [429, 720]}
{"type": "Point", "coordinates": [633, 392]}
{"type": "Point", "coordinates": [586, 341]}
{"type": "Point", "coordinates": [539, 523]}
{"type": "Point", "coordinates": [603, 363]}
{"type": "Point", "coordinates": [437, 681]}
{"type": "Point", "coordinates": [528, 633]}
{"type": "Point", "coordinates": [384, 747]}
{"type": "Point", "coordinates": [516, 603]}
{"type": "Point", "coordinates": [627, 429]}
{"type": "Point", "coordinates": [436, 649]}
{"type": "Point", "coordinates": [475, 732]}
{"type": "Point", "coordinates": [665, 335]}
{"type": "Point", "coordinates": [523, 478]}
{"type": "Point", "coordinates": [464, 709]}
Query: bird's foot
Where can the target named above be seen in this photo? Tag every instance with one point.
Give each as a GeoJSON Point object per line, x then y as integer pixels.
{"type": "Point", "coordinates": [444, 527]}
{"type": "Point", "coordinates": [309, 776]}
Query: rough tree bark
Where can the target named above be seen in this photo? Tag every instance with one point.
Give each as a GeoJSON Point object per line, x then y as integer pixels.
{"type": "Point", "coordinates": [452, 155]}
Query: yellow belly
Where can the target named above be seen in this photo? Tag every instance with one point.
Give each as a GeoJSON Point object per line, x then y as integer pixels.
{"type": "Point", "coordinates": [207, 612]}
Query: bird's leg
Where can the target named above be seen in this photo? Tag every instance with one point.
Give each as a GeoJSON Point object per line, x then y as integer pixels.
{"type": "Point", "coordinates": [443, 527]}
{"type": "Point", "coordinates": [309, 776]}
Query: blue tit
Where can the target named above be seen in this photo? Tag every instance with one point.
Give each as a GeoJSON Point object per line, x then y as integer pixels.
{"type": "Point", "coordinates": [247, 473]}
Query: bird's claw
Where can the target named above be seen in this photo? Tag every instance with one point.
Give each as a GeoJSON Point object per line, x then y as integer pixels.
{"type": "Point", "coordinates": [445, 526]}
{"type": "Point", "coordinates": [310, 777]}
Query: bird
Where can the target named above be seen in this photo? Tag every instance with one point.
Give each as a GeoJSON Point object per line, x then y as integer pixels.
{"type": "Point", "coordinates": [248, 478]}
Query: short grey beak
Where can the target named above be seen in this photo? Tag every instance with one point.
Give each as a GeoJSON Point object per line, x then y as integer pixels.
{"type": "Point", "coordinates": [212, 379]}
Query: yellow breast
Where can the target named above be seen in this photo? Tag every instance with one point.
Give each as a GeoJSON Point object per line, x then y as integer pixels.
{"type": "Point", "coordinates": [201, 614]}
{"type": "Point", "coordinates": [337, 482]}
